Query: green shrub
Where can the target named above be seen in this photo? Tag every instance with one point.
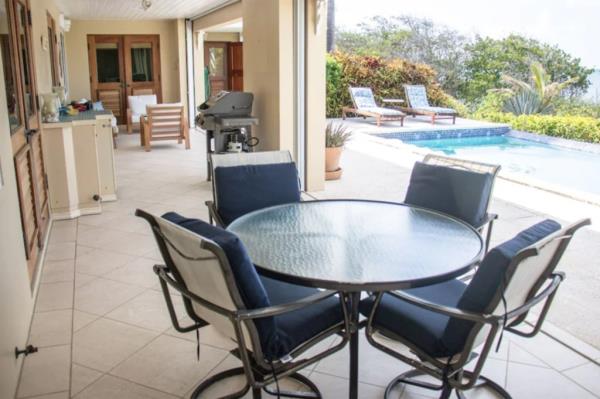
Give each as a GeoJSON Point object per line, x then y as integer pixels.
{"type": "Point", "coordinates": [578, 108]}
{"type": "Point", "coordinates": [580, 128]}
{"type": "Point", "coordinates": [384, 77]}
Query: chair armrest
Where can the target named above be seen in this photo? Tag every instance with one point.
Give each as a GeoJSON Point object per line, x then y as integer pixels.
{"type": "Point", "coordinates": [286, 307]}
{"type": "Point", "coordinates": [445, 310]}
{"type": "Point", "coordinates": [480, 317]}
{"type": "Point", "coordinates": [214, 213]}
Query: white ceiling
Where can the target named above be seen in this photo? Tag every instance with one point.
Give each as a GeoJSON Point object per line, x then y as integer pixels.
{"type": "Point", "coordinates": [132, 9]}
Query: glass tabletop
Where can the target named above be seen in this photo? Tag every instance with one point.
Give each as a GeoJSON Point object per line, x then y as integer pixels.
{"type": "Point", "coordinates": [357, 245]}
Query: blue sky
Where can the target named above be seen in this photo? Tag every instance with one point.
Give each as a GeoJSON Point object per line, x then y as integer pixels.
{"type": "Point", "coordinates": [573, 25]}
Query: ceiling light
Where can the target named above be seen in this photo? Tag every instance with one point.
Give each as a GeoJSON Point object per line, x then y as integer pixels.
{"type": "Point", "coordinates": [146, 4]}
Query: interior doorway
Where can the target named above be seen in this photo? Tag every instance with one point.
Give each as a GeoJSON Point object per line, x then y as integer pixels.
{"type": "Point", "coordinates": [223, 66]}
{"type": "Point", "coordinates": [121, 66]}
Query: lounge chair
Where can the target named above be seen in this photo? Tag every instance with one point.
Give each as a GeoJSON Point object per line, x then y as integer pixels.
{"type": "Point", "coordinates": [416, 95]}
{"type": "Point", "coordinates": [365, 106]}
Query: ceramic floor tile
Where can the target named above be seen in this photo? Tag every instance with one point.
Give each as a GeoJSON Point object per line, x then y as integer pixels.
{"type": "Point", "coordinates": [63, 233]}
{"type": "Point", "coordinates": [81, 377]}
{"type": "Point", "coordinates": [83, 279]}
{"type": "Point", "coordinates": [132, 244]}
{"type": "Point", "coordinates": [525, 381]}
{"type": "Point", "coordinates": [169, 364]}
{"type": "Point", "coordinates": [46, 371]}
{"type": "Point", "coordinates": [147, 310]}
{"type": "Point", "coordinates": [99, 237]}
{"type": "Point", "coordinates": [60, 251]}
{"type": "Point", "coordinates": [112, 387]}
{"type": "Point", "coordinates": [336, 387]}
{"type": "Point", "coordinates": [54, 296]}
{"type": "Point", "coordinates": [588, 376]}
{"type": "Point", "coordinates": [550, 352]}
{"type": "Point", "coordinates": [57, 395]}
{"type": "Point", "coordinates": [82, 319]}
{"type": "Point", "coordinates": [137, 272]}
{"type": "Point", "coordinates": [100, 262]}
{"type": "Point", "coordinates": [51, 328]}
{"type": "Point", "coordinates": [100, 296]}
{"type": "Point", "coordinates": [58, 271]}
{"type": "Point", "coordinates": [103, 344]}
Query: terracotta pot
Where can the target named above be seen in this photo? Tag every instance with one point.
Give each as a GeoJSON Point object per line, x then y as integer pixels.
{"type": "Point", "coordinates": [332, 158]}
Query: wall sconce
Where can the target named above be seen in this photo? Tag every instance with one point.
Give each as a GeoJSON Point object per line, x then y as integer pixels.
{"type": "Point", "coordinates": [320, 6]}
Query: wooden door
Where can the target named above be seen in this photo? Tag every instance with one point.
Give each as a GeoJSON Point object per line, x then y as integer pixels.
{"type": "Point", "coordinates": [235, 66]}
{"type": "Point", "coordinates": [142, 65]}
{"type": "Point", "coordinates": [107, 73]}
{"type": "Point", "coordinates": [23, 109]}
{"type": "Point", "coordinates": [215, 59]}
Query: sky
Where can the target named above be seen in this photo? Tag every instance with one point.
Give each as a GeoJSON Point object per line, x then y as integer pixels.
{"type": "Point", "coordinates": [573, 25]}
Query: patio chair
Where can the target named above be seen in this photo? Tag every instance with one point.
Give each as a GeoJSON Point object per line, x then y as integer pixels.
{"type": "Point", "coordinates": [444, 325]}
{"type": "Point", "coordinates": [136, 107]}
{"type": "Point", "coordinates": [247, 181]}
{"type": "Point", "coordinates": [416, 95]}
{"type": "Point", "coordinates": [365, 105]}
{"type": "Point", "coordinates": [273, 323]}
{"type": "Point", "coordinates": [164, 122]}
{"type": "Point", "coordinates": [457, 187]}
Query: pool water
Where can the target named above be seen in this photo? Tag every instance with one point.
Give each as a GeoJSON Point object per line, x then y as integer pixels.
{"type": "Point", "coordinates": [564, 167]}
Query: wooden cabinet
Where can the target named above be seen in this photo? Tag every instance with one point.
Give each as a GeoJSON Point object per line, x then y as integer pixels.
{"type": "Point", "coordinates": [81, 173]}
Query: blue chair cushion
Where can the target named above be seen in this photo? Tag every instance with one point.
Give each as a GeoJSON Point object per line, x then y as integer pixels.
{"type": "Point", "coordinates": [442, 336]}
{"type": "Point", "coordinates": [246, 188]}
{"type": "Point", "coordinates": [280, 334]}
{"type": "Point", "coordinates": [460, 193]}
{"type": "Point", "coordinates": [423, 328]}
{"type": "Point", "coordinates": [300, 325]}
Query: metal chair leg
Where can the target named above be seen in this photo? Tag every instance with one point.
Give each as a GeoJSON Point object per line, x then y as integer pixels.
{"type": "Point", "coordinates": [220, 377]}
{"type": "Point", "coordinates": [409, 378]}
{"type": "Point", "coordinates": [313, 391]}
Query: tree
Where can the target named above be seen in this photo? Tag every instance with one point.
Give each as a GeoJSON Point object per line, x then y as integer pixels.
{"type": "Point", "coordinates": [489, 59]}
{"type": "Point", "coordinates": [537, 97]}
{"type": "Point", "coordinates": [413, 39]}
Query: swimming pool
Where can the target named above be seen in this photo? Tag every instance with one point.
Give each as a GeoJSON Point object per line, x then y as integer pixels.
{"type": "Point", "coordinates": [573, 169]}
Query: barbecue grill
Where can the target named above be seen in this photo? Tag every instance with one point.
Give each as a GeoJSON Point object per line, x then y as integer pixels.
{"type": "Point", "coordinates": [227, 118]}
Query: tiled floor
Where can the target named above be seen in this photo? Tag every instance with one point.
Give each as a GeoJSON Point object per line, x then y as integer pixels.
{"type": "Point", "coordinates": [103, 330]}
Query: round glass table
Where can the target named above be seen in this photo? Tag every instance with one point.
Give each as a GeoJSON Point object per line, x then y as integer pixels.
{"type": "Point", "coordinates": [355, 245]}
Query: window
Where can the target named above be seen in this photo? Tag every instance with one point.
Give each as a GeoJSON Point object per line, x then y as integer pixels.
{"type": "Point", "coordinates": [15, 116]}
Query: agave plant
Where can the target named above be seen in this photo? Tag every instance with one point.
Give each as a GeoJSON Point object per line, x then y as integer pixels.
{"type": "Point", "coordinates": [537, 97]}
{"type": "Point", "coordinates": [336, 135]}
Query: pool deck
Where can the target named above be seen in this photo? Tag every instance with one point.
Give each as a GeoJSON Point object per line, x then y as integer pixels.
{"type": "Point", "coordinates": [419, 128]}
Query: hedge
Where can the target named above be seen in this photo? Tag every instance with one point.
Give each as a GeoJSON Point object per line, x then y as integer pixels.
{"type": "Point", "coordinates": [384, 77]}
{"type": "Point", "coordinates": [580, 128]}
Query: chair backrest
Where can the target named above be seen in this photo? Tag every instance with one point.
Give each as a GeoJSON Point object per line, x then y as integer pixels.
{"type": "Point", "coordinates": [362, 97]}
{"type": "Point", "coordinates": [416, 95]}
{"type": "Point", "coordinates": [138, 104]}
{"type": "Point", "coordinates": [509, 276]}
{"type": "Point", "coordinates": [213, 264]}
{"type": "Point", "coordinates": [459, 192]}
{"type": "Point", "coordinates": [246, 182]}
{"type": "Point", "coordinates": [466, 164]}
{"type": "Point", "coordinates": [166, 119]}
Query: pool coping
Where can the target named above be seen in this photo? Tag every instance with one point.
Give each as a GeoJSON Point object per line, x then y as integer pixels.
{"type": "Point", "coordinates": [511, 177]}
{"type": "Point", "coordinates": [593, 148]}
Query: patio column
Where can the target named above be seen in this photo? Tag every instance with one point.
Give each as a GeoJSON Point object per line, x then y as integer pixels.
{"type": "Point", "coordinates": [269, 74]}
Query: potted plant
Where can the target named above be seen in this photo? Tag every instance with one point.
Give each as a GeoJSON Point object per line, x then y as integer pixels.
{"type": "Point", "coordinates": [336, 135]}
